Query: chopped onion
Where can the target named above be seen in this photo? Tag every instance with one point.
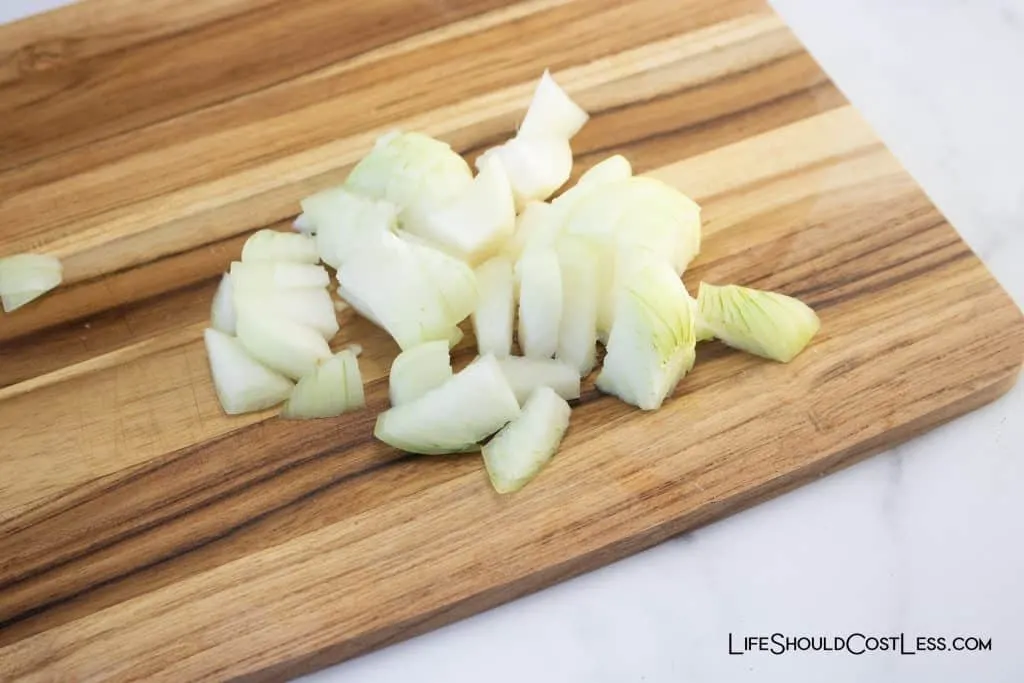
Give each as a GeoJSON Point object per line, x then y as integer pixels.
{"type": "Point", "coordinates": [539, 225]}
{"type": "Point", "coordinates": [344, 220]}
{"type": "Point", "coordinates": [610, 170]}
{"type": "Point", "coordinates": [283, 275]}
{"type": "Point", "coordinates": [522, 448]}
{"type": "Point", "coordinates": [222, 311]}
{"type": "Point", "coordinates": [26, 277]}
{"type": "Point", "coordinates": [701, 329]}
{"type": "Point", "coordinates": [325, 392]}
{"type": "Point", "coordinates": [288, 347]}
{"type": "Point", "coordinates": [552, 112]}
{"type": "Point", "coordinates": [413, 171]}
{"type": "Point", "coordinates": [540, 302]}
{"type": "Point", "coordinates": [525, 375]}
{"type": "Point", "coordinates": [577, 332]}
{"type": "Point", "coordinates": [453, 280]}
{"type": "Point", "coordinates": [454, 417]}
{"type": "Point", "coordinates": [356, 395]}
{"type": "Point", "coordinates": [271, 245]}
{"type": "Point", "coordinates": [475, 225]}
{"type": "Point", "coordinates": [308, 306]}
{"type": "Point", "coordinates": [303, 224]}
{"type": "Point", "coordinates": [389, 285]}
{"type": "Point", "coordinates": [243, 385]}
{"type": "Point", "coordinates": [536, 166]}
{"type": "Point", "coordinates": [421, 369]}
{"type": "Point", "coordinates": [652, 341]}
{"type": "Point", "coordinates": [766, 324]}
{"type": "Point", "coordinates": [494, 316]}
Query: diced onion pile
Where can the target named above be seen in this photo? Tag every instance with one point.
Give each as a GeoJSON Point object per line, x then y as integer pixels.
{"type": "Point", "coordinates": [420, 246]}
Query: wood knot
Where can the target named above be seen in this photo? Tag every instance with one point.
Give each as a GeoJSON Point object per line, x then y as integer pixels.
{"type": "Point", "coordinates": [46, 55]}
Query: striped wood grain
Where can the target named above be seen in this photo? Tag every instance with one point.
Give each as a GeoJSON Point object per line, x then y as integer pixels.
{"type": "Point", "coordinates": [145, 536]}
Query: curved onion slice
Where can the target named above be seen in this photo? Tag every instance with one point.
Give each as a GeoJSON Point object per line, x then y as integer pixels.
{"type": "Point", "coordinates": [243, 385]}
{"type": "Point", "coordinates": [288, 347]}
{"type": "Point", "coordinates": [552, 112]}
{"type": "Point", "coordinates": [766, 324]}
{"type": "Point", "coordinates": [495, 311]}
{"type": "Point", "coordinates": [413, 171]}
{"type": "Point", "coordinates": [453, 279]}
{"type": "Point", "coordinates": [610, 170]}
{"type": "Point", "coordinates": [283, 275]}
{"type": "Point", "coordinates": [308, 306]}
{"type": "Point", "coordinates": [540, 302]}
{"type": "Point", "coordinates": [474, 226]}
{"type": "Point", "coordinates": [325, 392]}
{"type": "Point", "coordinates": [271, 245]}
{"type": "Point", "coordinates": [303, 225]}
{"type": "Point", "coordinates": [420, 369]}
{"type": "Point", "coordinates": [26, 277]}
{"type": "Point", "coordinates": [522, 448]}
{"type": "Point", "coordinates": [539, 225]}
{"type": "Point", "coordinates": [344, 220]}
{"type": "Point", "coordinates": [454, 417]}
{"type": "Point", "coordinates": [525, 375]}
{"type": "Point", "coordinates": [652, 342]}
{"type": "Point", "coordinates": [222, 310]}
{"type": "Point", "coordinates": [700, 328]}
{"type": "Point", "coordinates": [536, 165]}
{"type": "Point", "coordinates": [389, 285]}
{"type": "Point", "coordinates": [577, 332]}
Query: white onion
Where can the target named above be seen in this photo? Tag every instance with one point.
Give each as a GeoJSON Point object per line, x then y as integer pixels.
{"type": "Point", "coordinates": [652, 341]}
{"type": "Point", "coordinates": [454, 417]}
{"type": "Point", "coordinates": [344, 220]}
{"type": "Point", "coordinates": [303, 224]}
{"type": "Point", "coordinates": [474, 226]}
{"type": "Point", "coordinates": [326, 392]}
{"type": "Point", "coordinates": [539, 225]}
{"type": "Point", "coordinates": [577, 333]}
{"type": "Point", "coordinates": [271, 245]}
{"type": "Point", "coordinates": [522, 448]}
{"type": "Point", "coordinates": [421, 369]}
{"type": "Point", "coordinates": [243, 385]}
{"type": "Point", "coordinates": [540, 302]}
{"type": "Point", "coordinates": [288, 347]}
{"type": "Point", "coordinates": [222, 310]}
{"type": "Point", "coordinates": [388, 284]}
{"type": "Point", "coordinates": [26, 277]}
{"type": "Point", "coordinates": [552, 112]}
{"type": "Point", "coordinates": [536, 166]}
{"type": "Point", "coordinates": [494, 316]}
{"type": "Point", "coordinates": [525, 375]}
{"type": "Point", "coordinates": [308, 306]}
{"type": "Point", "coordinates": [283, 275]}
{"type": "Point", "coordinates": [453, 279]}
{"type": "Point", "coordinates": [610, 170]}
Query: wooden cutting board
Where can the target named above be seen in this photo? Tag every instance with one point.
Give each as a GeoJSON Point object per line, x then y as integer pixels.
{"type": "Point", "coordinates": [146, 536]}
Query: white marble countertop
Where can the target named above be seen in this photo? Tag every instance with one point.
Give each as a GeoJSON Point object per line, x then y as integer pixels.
{"type": "Point", "coordinates": [924, 540]}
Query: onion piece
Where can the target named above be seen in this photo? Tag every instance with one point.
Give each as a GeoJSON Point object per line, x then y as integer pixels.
{"type": "Point", "coordinates": [652, 342]}
{"type": "Point", "coordinates": [282, 275]}
{"type": "Point", "coordinates": [552, 112]}
{"type": "Point", "coordinates": [325, 392]}
{"type": "Point", "coordinates": [702, 331]}
{"type": "Point", "coordinates": [303, 225]}
{"type": "Point", "coordinates": [539, 225]}
{"type": "Point", "coordinates": [536, 166]}
{"type": "Point", "coordinates": [421, 369]}
{"type": "Point", "coordinates": [453, 279]}
{"type": "Point", "coordinates": [388, 284]}
{"type": "Point", "coordinates": [26, 277]}
{"type": "Point", "coordinates": [308, 306]}
{"type": "Point", "coordinates": [525, 375]}
{"type": "Point", "coordinates": [540, 302]}
{"type": "Point", "coordinates": [610, 170]}
{"type": "Point", "coordinates": [243, 385]}
{"type": "Point", "coordinates": [344, 220]}
{"type": "Point", "coordinates": [474, 226]}
{"type": "Point", "coordinates": [577, 332]}
{"type": "Point", "coordinates": [272, 246]}
{"type": "Point", "coordinates": [356, 395]}
{"type": "Point", "coordinates": [413, 171]}
{"type": "Point", "coordinates": [766, 324]}
{"type": "Point", "coordinates": [494, 316]}
{"type": "Point", "coordinates": [222, 310]}
{"type": "Point", "coordinates": [454, 417]}
{"type": "Point", "coordinates": [288, 347]}
{"type": "Point", "coordinates": [522, 448]}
